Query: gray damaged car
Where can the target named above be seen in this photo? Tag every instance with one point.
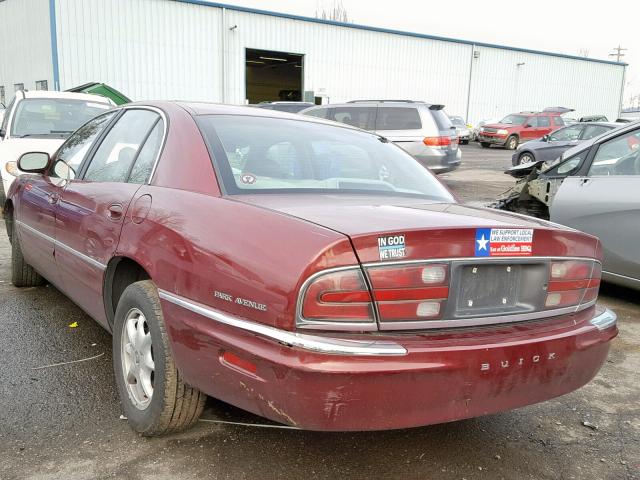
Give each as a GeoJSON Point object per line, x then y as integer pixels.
{"type": "Point", "coordinates": [593, 187]}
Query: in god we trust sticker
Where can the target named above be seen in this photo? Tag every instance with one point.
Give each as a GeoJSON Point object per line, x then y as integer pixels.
{"type": "Point", "coordinates": [504, 242]}
{"type": "Point", "coordinates": [391, 247]}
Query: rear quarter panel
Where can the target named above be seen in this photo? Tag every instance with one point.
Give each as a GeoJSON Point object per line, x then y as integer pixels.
{"type": "Point", "coordinates": [194, 245]}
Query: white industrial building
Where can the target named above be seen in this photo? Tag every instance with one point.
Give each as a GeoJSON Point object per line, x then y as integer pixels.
{"type": "Point", "coordinates": [198, 50]}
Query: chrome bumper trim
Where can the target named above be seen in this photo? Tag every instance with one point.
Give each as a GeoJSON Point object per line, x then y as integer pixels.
{"type": "Point", "coordinates": [314, 343]}
{"type": "Point", "coordinates": [605, 320]}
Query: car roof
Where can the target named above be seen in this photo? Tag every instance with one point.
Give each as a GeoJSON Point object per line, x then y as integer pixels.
{"type": "Point", "coordinates": [87, 97]}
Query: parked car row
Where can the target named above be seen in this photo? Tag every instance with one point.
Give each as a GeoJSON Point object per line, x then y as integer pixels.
{"type": "Point", "coordinates": [310, 272]}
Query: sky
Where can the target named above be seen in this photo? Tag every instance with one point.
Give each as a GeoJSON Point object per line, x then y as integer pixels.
{"type": "Point", "coordinates": [573, 27]}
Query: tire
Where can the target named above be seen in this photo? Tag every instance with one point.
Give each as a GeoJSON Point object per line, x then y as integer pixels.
{"type": "Point", "coordinates": [511, 143]}
{"type": "Point", "coordinates": [166, 404]}
{"type": "Point", "coordinates": [526, 157]}
{"type": "Point", "coordinates": [485, 144]}
{"type": "Point", "coordinates": [22, 274]}
{"type": "Point", "coordinates": [464, 142]}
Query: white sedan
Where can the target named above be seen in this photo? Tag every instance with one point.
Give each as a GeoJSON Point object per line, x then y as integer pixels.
{"type": "Point", "coordinates": [41, 121]}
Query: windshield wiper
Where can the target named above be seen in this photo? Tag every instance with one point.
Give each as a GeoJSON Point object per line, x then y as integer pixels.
{"type": "Point", "coordinates": [61, 131]}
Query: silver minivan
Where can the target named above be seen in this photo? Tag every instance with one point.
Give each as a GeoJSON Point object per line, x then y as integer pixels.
{"type": "Point", "coordinates": [421, 129]}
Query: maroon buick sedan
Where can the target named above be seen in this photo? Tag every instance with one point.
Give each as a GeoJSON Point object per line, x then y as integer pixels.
{"type": "Point", "coordinates": [305, 271]}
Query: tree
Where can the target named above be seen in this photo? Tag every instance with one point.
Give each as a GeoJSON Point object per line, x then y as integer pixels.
{"type": "Point", "coordinates": [335, 12]}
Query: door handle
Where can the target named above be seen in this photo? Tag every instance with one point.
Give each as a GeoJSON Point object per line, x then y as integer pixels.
{"type": "Point", "coordinates": [114, 212]}
{"type": "Point", "coordinates": [585, 181]}
{"type": "Point", "coordinates": [53, 198]}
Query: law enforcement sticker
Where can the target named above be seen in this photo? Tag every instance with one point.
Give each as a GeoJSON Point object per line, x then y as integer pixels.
{"type": "Point", "coordinates": [504, 242]}
{"type": "Point", "coordinates": [391, 247]}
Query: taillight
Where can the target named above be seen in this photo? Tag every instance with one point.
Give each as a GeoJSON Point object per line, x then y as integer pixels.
{"type": "Point", "coordinates": [573, 283]}
{"type": "Point", "coordinates": [438, 142]}
{"type": "Point", "coordinates": [338, 298]}
{"type": "Point", "coordinates": [410, 292]}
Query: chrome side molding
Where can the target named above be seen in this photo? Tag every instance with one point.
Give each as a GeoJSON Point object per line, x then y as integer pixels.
{"type": "Point", "coordinates": [314, 343]}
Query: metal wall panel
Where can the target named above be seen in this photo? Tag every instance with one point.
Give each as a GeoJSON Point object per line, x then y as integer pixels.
{"type": "Point", "coordinates": [25, 48]}
{"type": "Point", "coordinates": [166, 49]}
{"type": "Point", "coordinates": [148, 49]}
{"type": "Point", "coordinates": [506, 81]}
{"type": "Point", "coordinates": [350, 63]}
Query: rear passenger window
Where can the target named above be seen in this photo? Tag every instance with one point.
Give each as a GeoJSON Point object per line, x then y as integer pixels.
{"type": "Point", "coordinates": [114, 157]}
{"type": "Point", "coordinates": [361, 117]}
{"type": "Point", "coordinates": [544, 122]}
{"type": "Point", "coordinates": [147, 158]}
{"type": "Point", "coordinates": [558, 121]}
{"type": "Point", "coordinates": [532, 122]}
{"type": "Point", "coordinates": [398, 118]}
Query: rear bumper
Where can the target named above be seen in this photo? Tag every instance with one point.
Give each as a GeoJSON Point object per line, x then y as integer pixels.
{"type": "Point", "coordinates": [436, 160]}
{"type": "Point", "coordinates": [413, 380]}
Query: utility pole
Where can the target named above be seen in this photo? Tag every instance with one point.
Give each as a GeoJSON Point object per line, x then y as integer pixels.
{"type": "Point", "coordinates": [618, 53]}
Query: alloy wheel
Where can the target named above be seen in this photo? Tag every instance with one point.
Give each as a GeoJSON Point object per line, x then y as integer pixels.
{"type": "Point", "coordinates": [138, 366]}
{"type": "Point", "coordinates": [525, 158]}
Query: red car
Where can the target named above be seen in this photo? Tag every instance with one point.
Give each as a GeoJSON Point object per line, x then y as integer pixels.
{"type": "Point", "coordinates": [305, 271]}
{"type": "Point", "coordinates": [519, 127]}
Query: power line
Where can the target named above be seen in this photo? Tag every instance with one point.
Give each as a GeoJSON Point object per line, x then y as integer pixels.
{"type": "Point", "coordinates": [618, 53]}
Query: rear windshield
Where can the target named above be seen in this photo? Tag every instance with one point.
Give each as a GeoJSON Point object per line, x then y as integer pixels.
{"type": "Point", "coordinates": [441, 118]}
{"type": "Point", "coordinates": [272, 155]}
{"type": "Point", "coordinates": [398, 118]}
{"type": "Point", "coordinates": [513, 119]}
{"type": "Point", "coordinates": [53, 117]}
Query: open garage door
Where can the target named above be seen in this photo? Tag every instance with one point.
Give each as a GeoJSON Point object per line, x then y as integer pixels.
{"type": "Point", "coordinates": [273, 76]}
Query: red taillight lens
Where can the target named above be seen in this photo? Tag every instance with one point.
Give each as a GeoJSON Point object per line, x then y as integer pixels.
{"type": "Point", "coordinates": [338, 297]}
{"type": "Point", "coordinates": [443, 141]}
{"type": "Point", "coordinates": [410, 293]}
{"type": "Point", "coordinates": [572, 283]}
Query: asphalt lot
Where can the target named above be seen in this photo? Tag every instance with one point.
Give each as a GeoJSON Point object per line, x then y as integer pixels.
{"type": "Point", "coordinates": [63, 422]}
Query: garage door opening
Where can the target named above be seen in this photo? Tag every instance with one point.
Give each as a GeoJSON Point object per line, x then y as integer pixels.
{"type": "Point", "coordinates": [273, 76]}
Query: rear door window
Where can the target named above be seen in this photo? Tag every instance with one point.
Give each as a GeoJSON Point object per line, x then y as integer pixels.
{"type": "Point", "coordinates": [567, 134]}
{"type": "Point", "coordinates": [398, 118]}
{"type": "Point", "coordinates": [532, 122]}
{"type": "Point", "coordinates": [113, 159]}
{"type": "Point", "coordinates": [558, 121]}
{"type": "Point", "coordinates": [544, 122]}
{"type": "Point", "coordinates": [361, 117]}
{"type": "Point", "coordinates": [148, 154]}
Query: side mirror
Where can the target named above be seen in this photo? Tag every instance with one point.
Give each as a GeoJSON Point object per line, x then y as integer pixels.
{"type": "Point", "coordinates": [546, 138]}
{"type": "Point", "coordinates": [34, 162]}
{"type": "Point", "coordinates": [528, 125]}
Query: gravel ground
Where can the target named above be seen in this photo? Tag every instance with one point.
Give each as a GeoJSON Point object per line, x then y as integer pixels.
{"type": "Point", "coordinates": [64, 422]}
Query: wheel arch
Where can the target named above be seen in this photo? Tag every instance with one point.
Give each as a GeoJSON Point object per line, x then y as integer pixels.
{"type": "Point", "coordinates": [121, 272]}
